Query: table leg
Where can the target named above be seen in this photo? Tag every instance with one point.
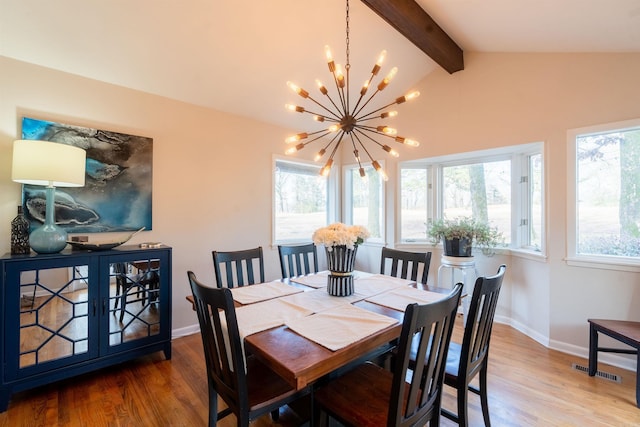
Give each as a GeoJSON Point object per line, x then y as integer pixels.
{"type": "Point", "coordinates": [593, 350]}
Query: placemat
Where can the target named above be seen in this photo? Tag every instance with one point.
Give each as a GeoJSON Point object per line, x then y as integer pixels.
{"type": "Point", "coordinates": [399, 298]}
{"type": "Point", "coordinates": [262, 291]}
{"type": "Point", "coordinates": [341, 326]}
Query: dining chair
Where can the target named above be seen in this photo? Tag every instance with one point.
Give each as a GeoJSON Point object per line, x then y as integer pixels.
{"type": "Point", "coordinates": [248, 387]}
{"type": "Point", "coordinates": [238, 266]}
{"type": "Point", "coordinates": [297, 260]}
{"type": "Point", "coordinates": [405, 265]}
{"type": "Point", "coordinates": [369, 395]}
{"type": "Point", "coordinates": [145, 285]}
{"type": "Point", "coordinates": [471, 357]}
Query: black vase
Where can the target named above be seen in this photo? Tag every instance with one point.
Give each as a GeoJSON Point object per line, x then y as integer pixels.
{"type": "Point", "coordinates": [20, 234]}
{"type": "Point", "coordinates": [457, 247]}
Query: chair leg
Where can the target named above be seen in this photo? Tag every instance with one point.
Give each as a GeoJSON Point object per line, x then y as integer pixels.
{"type": "Point", "coordinates": [463, 419]}
{"type": "Point", "coordinates": [213, 407]}
{"type": "Point", "coordinates": [484, 399]}
{"type": "Point", "coordinates": [275, 414]}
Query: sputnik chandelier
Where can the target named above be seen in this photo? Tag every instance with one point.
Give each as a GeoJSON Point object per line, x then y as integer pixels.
{"type": "Point", "coordinates": [349, 123]}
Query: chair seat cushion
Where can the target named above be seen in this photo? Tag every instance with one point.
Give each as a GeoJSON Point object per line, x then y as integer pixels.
{"type": "Point", "coordinates": [453, 360]}
{"type": "Point", "coordinates": [264, 385]}
{"type": "Point", "coordinates": [358, 398]}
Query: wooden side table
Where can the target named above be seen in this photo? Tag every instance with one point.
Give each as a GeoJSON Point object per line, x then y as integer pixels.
{"type": "Point", "coordinates": [624, 331]}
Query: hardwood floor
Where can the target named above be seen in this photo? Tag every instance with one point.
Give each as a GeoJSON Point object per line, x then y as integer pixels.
{"type": "Point", "coordinates": [529, 385]}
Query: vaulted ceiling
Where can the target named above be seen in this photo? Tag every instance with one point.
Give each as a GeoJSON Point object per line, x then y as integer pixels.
{"type": "Point", "coordinates": [236, 55]}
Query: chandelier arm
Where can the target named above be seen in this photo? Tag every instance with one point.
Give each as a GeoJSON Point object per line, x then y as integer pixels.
{"type": "Point", "coordinates": [331, 119]}
{"type": "Point", "coordinates": [374, 130]}
{"type": "Point", "coordinates": [355, 113]}
{"type": "Point", "coordinates": [369, 137]}
{"type": "Point", "coordinates": [362, 144]}
{"type": "Point", "coordinates": [335, 148]}
{"type": "Point", "coordinates": [370, 113]}
{"type": "Point", "coordinates": [341, 95]}
{"type": "Point", "coordinates": [363, 91]}
{"type": "Point", "coordinates": [333, 113]}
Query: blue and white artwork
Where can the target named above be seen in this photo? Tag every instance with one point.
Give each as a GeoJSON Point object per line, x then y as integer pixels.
{"type": "Point", "coordinates": [117, 191]}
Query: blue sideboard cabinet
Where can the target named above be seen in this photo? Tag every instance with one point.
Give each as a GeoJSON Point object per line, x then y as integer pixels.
{"type": "Point", "coordinates": [73, 312]}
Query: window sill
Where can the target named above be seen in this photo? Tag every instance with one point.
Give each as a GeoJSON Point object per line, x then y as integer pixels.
{"type": "Point", "coordinates": [604, 263]}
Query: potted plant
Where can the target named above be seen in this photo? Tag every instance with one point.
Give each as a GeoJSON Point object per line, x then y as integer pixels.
{"type": "Point", "coordinates": [460, 234]}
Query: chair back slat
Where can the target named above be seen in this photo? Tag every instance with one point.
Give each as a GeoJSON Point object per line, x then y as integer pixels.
{"type": "Point", "coordinates": [298, 260]}
{"type": "Point", "coordinates": [431, 326]}
{"type": "Point", "coordinates": [406, 265]}
{"type": "Point", "coordinates": [239, 267]}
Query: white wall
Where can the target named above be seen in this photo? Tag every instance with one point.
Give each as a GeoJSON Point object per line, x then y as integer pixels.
{"type": "Point", "coordinates": [212, 171]}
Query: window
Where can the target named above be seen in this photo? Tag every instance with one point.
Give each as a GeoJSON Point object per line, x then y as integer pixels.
{"type": "Point", "coordinates": [481, 191]}
{"type": "Point", "coordinates": [301, 201]}
{"type": "Point", "coordinates": [414, 184]}
{"type": "Point", "coordinates": [503, 187]}
{"type": "Point", "coordinates": [606, 193]}
{"type": "Point", "coordinates": [364, 200]}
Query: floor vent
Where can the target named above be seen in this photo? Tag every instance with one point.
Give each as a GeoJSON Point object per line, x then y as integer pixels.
{"type": "Point", "coordinates": [605, 375]}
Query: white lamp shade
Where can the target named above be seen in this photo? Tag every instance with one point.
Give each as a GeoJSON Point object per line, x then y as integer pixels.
{"type": "Point", "coordinates": [48, 163]}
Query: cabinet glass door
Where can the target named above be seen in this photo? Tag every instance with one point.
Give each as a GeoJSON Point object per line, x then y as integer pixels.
{"type": "Point", "coordinates": [134, 298]}
{"type": "Point", "coordinates": [52, 309]}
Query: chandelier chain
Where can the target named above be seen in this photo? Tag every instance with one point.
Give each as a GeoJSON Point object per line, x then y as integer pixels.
{"type": "Point", "coordinates": [347, 65]}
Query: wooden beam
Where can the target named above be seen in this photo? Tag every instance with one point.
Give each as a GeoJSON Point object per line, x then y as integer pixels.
{"type": "Point", "coordinates": [415, 24]}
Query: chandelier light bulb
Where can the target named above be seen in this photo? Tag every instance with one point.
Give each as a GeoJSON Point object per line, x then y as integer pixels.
{"type": "Point", "coordinates": [294, 108]}
{"type": "Point", "coordinates": [303, 93]}
{"type": "Point", "coordinates": [292, 150]}
{"type": "Point", "coordinates": [334, 128]}
{"type": "Point", "coordinates": [390, 150]}
{"type": "Point", "coordinates": [318, 118]}
{"type": "Point", "coordinates": [390, 114]}
{"type": "Point", "coordinates": [323, 89]}
{"type": "Point", "coordinates": [364, 89]}
{"type": "Point", "coordinates": [319, 155]}
{"type": "Point", "coordinates": [387, 130]}
{"type": "Point", "coordinates": [296, 138]}
{"type": "Point", "coordinates": [380, 171]}
{"type": "Point", "coordinates": [388, 78]}
{"type": "Point", "coordinates": [340, 76]}
{"type": "Point", "coordinates": [326, 168]}
{"type": "Point", "coordinates": [407, 141]}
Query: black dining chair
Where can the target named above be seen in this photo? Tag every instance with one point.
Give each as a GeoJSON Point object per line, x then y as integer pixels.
{"type": "Point", "coordinates": [372, 396]}
{"type": "Point", "coordinates": [466, 360]}
{"type": "Point", "coordinates": [238, 267]}
{"type": "Point", "coordinates": [248, 387]}
{"type": "Point", "coordinates": [297, 260]}
{"type": "Point", "coordinates": [405, 265]}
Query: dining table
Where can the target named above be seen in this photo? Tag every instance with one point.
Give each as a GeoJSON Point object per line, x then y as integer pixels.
{"type": "Point", "coordinates": [304, 334]}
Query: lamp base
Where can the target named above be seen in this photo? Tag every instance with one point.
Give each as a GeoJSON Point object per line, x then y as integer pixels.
{"type": "Point", "coordinates": [48, 239]}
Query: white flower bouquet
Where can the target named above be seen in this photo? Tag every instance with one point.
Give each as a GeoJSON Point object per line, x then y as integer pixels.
{"type": "Point", "coordinates": [339, 234]}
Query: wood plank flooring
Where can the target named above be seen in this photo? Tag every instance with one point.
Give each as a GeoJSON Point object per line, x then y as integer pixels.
{"type": "Point", "coordinates": [529, 385]}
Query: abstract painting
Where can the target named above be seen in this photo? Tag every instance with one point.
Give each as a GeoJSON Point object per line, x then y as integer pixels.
{"type": "Point", "coordinates": [117, 191]}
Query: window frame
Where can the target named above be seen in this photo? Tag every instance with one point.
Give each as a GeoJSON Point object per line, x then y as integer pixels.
{"type": "Point", "coordinates": [573, 258]}
{"type": "Point", "coordinates": [518, 155]}
{"type": "Point", "coordinates": [332, 197]}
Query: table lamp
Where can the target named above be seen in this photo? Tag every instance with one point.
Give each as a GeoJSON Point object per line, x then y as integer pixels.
{"type": "Point", "coordinates": [48, 164]}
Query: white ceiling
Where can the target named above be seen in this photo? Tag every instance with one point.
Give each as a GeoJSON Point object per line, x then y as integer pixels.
{"type": "Point", "coordinates": [236, 55]}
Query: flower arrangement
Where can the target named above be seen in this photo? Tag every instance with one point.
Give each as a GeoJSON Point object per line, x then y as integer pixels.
{"type": "Point", "coordinates": [339, 234]}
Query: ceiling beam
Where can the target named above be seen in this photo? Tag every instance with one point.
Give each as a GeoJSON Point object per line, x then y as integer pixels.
{"type": "Point", "coordinates": [415, 24]}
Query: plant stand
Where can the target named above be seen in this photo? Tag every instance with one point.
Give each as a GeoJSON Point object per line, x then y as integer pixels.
{"type": "Point", "coordinates": [454, 270]}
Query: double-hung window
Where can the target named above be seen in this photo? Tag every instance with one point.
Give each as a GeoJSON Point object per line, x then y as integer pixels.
{"type": "Point", "coordinates": [502, 187]}
{"type": "Point", "coordinates": [604, 193]}
{"type": "Point", "coordinates": [364, 200]}
{"type": "Point", "coordinates": [302, 200]}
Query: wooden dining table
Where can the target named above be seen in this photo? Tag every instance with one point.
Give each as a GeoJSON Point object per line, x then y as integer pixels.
{"type": "Point", "coordinates": [301, 361]}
